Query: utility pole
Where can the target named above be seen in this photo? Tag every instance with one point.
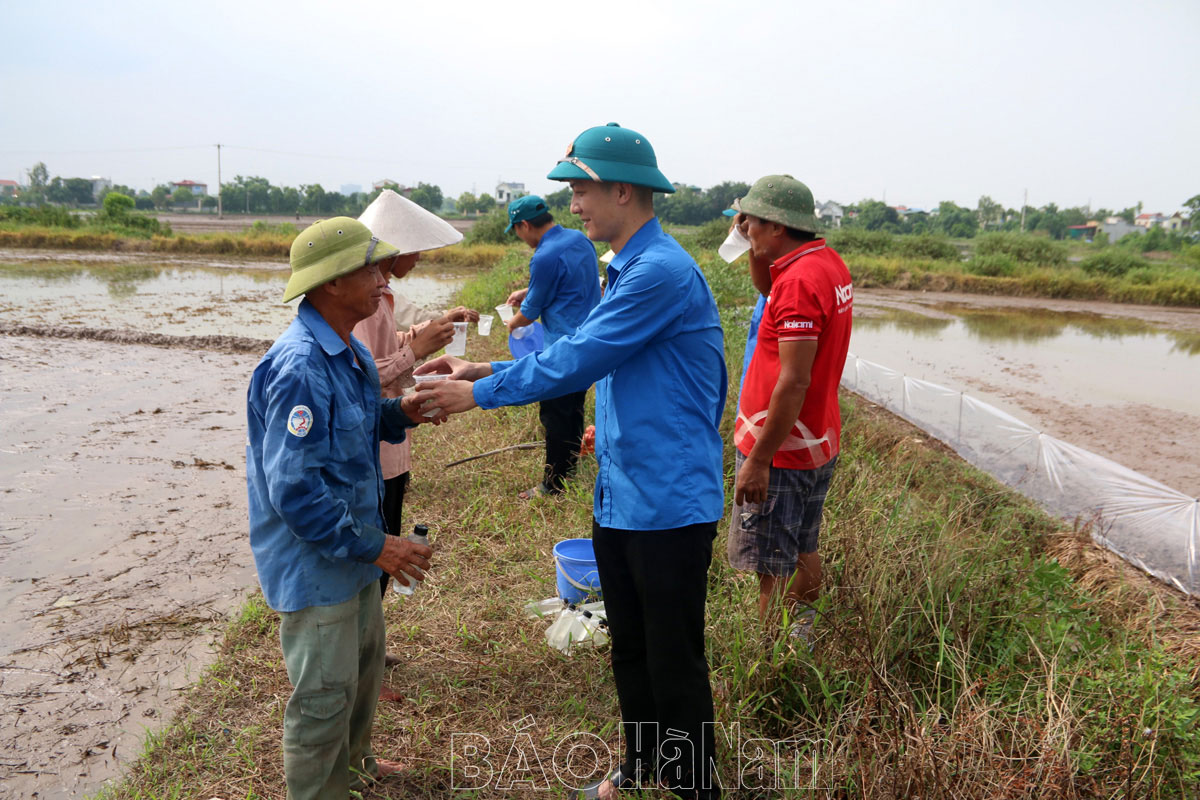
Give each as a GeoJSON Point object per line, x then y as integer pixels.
{"type": "Point", "coordinates": [1024, 203]}
{"type": "Point", "coordinates": [220, 211]}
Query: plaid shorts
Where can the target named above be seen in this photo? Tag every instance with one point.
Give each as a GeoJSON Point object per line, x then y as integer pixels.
{"type": "Point", "coordinates": [768, 537]}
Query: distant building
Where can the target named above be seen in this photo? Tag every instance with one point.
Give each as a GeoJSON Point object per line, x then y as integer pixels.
{"type": "Point", "coordinates": [396, 186]}
{"type": "Point", "coordinates": [9, 188]}
{"type": "Point", "coordinates": [830, 214]}
{"type": "Point", "coordinates": [1118, 229]}
{"type": "Point", "coordinates": [507, 192]}
{"type": "Point", "coordinates": [1176, 222]}
{"type": "Point", "coordinates": [348, 189]}
{"type": "Point", "coordinates": [100, 187]}
{"type": "Point", "coordinates": [1149, 220]}
{"type": "Point", "coordinates": [195, 187]}
{"type": "Point", "coordinates": [1084, 232]}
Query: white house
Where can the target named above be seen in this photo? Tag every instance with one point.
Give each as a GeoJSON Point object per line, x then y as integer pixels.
{"type": "Point", "coordinates": [830, 213]}
{"type": "Point", "coordinates": [100, 187]}
{"type": "Point", "coordinates": [509, 191]}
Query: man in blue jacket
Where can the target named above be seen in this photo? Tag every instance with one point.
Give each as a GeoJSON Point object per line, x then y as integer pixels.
{"type": "Point", "coordinates": [564, 286]}
{"type": "Point", "coordinates": [315, 420]}
{"type": "Point", "coordinates": [654, 349]}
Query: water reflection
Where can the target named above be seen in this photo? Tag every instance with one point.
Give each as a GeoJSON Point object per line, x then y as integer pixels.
{"type": "Point", "coordinates": [907, 321]}
{"type": "Point", "coordinates": [1015, 324]}
{"type": "Point", "coordinates": [1185, 342]}
{"type": "Point", "coordinates": [177, 299]}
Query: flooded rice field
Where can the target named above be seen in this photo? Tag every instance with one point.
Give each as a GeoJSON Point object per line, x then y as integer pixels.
{"type": "Point", "coordinates": [1122, 381]}
{"type": "Point", "coordinates": [178, 298]}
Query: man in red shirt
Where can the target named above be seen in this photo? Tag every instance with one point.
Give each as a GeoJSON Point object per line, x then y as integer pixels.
{"type": "Point", "coordinates": [788, 425]}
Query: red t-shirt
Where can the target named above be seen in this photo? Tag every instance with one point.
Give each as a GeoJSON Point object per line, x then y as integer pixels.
{"type": "Point", "coordinates": [811, 299]}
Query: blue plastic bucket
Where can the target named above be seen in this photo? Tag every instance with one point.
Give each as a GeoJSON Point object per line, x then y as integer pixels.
{"type": "Point", "coordinates": [575, 570]}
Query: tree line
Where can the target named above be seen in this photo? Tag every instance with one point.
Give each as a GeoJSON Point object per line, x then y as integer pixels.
{"type": "Point", "coordinates": [688, 205]}
{"type": "Point", "coordinates": [953, 220]}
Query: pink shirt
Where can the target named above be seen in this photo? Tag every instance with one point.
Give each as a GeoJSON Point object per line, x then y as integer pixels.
{"type": "Point", "coordinates": [394, 359]}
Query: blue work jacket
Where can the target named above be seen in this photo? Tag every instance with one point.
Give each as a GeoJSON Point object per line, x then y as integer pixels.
{"type": "Point", "coordinates": [564, 284]}
{"type": "Point", "coordinates": [315, 419]}
{"type": "Point", "coordinates": [655, 351]}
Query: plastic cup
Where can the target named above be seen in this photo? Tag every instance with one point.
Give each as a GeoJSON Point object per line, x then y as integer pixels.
{"type": "Point", "coordinates": [433, 412]}
{"type": "Point", "coordinates": [505, 311]}
{"type": "Point", "coordinates": [485, 324]}
{"type": "Point", "coordinates": [458, 345]}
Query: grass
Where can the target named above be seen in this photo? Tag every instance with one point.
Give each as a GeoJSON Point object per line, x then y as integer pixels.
{"type": "Point", "coordinates": [968, 646]}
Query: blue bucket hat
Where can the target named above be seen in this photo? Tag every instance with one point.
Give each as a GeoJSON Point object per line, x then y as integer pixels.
{"type": "Point", "coordinates": [611, 154]}
{"type": "Point", "coordinates": [525, 208]}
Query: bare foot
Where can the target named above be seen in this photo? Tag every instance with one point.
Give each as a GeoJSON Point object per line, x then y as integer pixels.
{"type": "Point", "coordinates": [389, 694]}
{"type": "Point", "coordinates": [607, 791]}
{"type": "Point", "coordinates": [388, 768]}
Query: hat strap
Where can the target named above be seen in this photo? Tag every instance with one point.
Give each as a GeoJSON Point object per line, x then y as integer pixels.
{"type": "Point", "coordinates": [591, 173]}
{"type": "Point", "coordinates": [371, 249]}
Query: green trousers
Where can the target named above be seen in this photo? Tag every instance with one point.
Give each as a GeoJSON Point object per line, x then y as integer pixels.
{"type": "Point", "coordinates": [334, 657]}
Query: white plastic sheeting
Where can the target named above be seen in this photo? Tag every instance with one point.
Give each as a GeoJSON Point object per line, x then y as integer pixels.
{"type": "Point", "coordinates": [1150, 525]}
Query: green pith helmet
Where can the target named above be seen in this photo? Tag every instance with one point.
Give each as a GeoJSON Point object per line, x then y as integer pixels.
{"type": "Point", "coordinates": [331, 248]}
{"type": "Point", "coordinates": [525, 208]}
{"type": "Point", "coordinates": [611, 154]}
{"type": "Point", "coordinates": [782, 199]}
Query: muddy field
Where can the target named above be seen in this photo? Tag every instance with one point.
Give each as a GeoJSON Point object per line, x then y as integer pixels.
{"type": "Point", "coordinates": [123, 544]}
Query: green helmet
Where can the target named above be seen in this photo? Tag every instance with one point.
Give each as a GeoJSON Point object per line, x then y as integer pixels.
{"type": "Point", "coordinates": [612, 154]}
{"type": "Point", "coordinates": [331, 248]}
{"type": "Point", "coordinates": [782, 199]}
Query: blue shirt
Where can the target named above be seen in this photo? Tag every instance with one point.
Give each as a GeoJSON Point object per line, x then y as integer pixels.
{"type": "Point", "coordinates": [315, 419]}
{"type": "Point", "coordinates": [564, 284]}
{"type": "Point", "coordinates": [655, 351]}
{"type": "Point", "coordinates": [751, 341]}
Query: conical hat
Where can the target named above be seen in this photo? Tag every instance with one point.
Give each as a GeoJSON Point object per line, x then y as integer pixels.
{"type": "Point", "coordinates": [406, 226]}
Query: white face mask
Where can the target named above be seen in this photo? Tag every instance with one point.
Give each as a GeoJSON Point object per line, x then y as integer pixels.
{"type": "Point", "coordinates": [734, 245]}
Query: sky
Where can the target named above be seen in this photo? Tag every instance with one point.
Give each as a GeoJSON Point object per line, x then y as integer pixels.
{"type": "Point", "coordinates": [911, 102]}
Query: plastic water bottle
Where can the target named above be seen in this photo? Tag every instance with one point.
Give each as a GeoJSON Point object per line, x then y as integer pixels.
{"type": "Point", "coordinates": [537, 609]}
{"type": "Point", "coordinates": [404, 584]}
{"type": "Point", "coordinates": [558, 634]}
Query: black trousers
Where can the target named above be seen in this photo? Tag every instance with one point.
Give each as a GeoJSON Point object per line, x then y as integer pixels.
{"type": "Point", "coordinates": [393, 505]}
{"type": "Point", "coordinates": [563, 419]}
{"type": "Point", "coordinates": [655, 584]}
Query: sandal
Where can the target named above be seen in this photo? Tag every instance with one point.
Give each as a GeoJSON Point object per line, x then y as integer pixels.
{"type": "Point", "coordinates": [618, 778]}
{"type": "Point", "coordinates": [537, 491]}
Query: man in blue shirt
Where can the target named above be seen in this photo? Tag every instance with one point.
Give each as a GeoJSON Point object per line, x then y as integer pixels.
{"type": "Point", "coordinates": [315, 420]}
{"type": "Point", "coordinates": [654, 349]}
{"type": "Point", "coordinates": [564, 286]}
